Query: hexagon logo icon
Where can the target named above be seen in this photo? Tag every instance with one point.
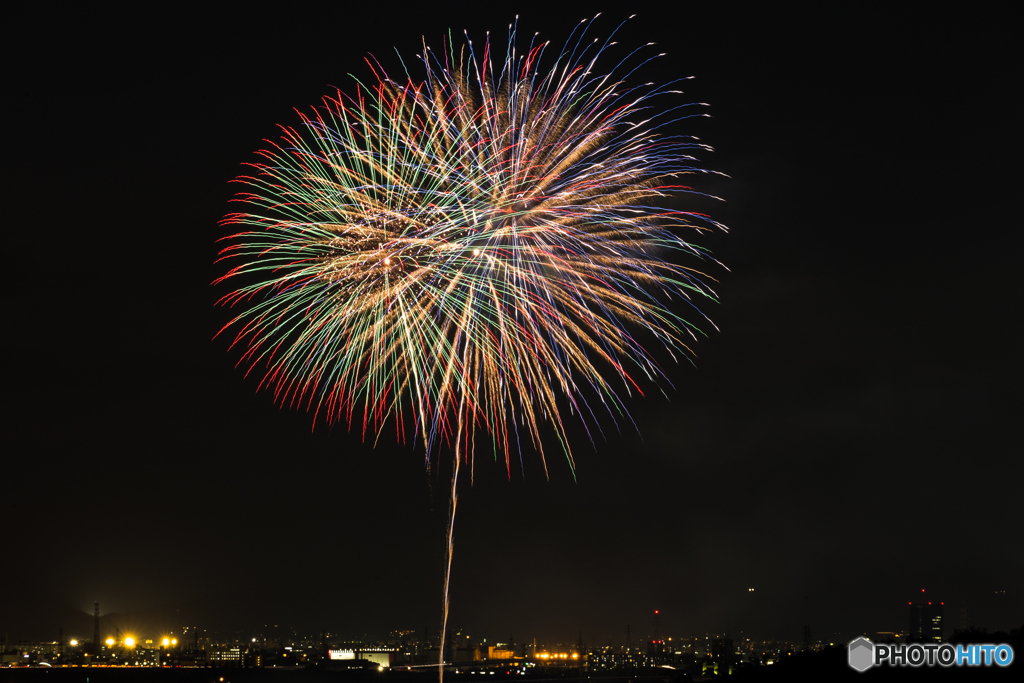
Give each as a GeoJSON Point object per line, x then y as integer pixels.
{"type": "Point", "coordinates": [861, 653]}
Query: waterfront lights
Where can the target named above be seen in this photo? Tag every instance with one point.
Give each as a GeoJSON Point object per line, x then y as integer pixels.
{"type": "Point", "coordinates": [129, 641]}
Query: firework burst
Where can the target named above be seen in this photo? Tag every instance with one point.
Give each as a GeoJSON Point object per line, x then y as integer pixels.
{"type": "Point", "coordinates": [476, 251]}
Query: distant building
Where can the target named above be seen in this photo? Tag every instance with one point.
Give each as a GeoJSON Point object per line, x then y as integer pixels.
{"type": "Point", "coordinates": [656, 648]}
{"type": "Point", "coordinates": [926, 621]}
{"type": "Point", "coordinates": [226, 655]}
{"type": "Point", "coordinates": [721, 657]}
{"type": "Point", "coordinates": [147, 656]}
{"type": "Point", "coordinates": [384, 657]}
{"type": "Point", "coordinates": [605, 659]}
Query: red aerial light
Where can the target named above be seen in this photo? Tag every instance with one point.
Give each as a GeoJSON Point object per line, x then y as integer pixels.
{"type": "Point", "coordinates": [942, 603]}
{"type": "Point", "coordinates": [929, 602]}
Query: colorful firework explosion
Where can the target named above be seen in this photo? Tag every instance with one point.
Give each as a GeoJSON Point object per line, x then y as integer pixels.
{"type": "Point", "coordinates": [477, 251]}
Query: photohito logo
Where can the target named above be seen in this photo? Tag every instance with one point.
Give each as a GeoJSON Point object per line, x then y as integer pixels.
{"type": "Point", "coordinates": [862, 654]}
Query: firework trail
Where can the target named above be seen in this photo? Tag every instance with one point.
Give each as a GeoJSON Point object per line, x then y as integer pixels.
{"type": "Point", "coordinates": [473, 252]}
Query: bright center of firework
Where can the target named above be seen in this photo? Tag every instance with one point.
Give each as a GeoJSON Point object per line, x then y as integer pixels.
{"type": "Point", "coordinates": [476, 252]}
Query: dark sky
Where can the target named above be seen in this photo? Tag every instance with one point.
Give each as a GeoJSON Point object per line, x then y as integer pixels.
{"type": "Point", "coordinates": [850, 436]}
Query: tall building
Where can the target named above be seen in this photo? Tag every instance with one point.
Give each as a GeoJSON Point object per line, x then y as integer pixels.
{"type": "Point", "coordinates": [926, 621]}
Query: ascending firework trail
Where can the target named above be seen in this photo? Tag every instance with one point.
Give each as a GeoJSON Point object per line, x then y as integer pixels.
{"type": "Point", "coordinates": [472, 252]}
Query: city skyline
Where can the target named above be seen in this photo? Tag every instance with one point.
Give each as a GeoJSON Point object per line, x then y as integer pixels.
{"type": "Point", "coordinates": [926, 623]}
{"type": "Point", "coordinates": [842, 440]}
{"type": "Point", "coordinates": [281, 647]}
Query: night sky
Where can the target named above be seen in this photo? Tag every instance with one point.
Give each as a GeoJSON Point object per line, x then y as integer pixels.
{"type": "Point", "coordinates": [849, 436]}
